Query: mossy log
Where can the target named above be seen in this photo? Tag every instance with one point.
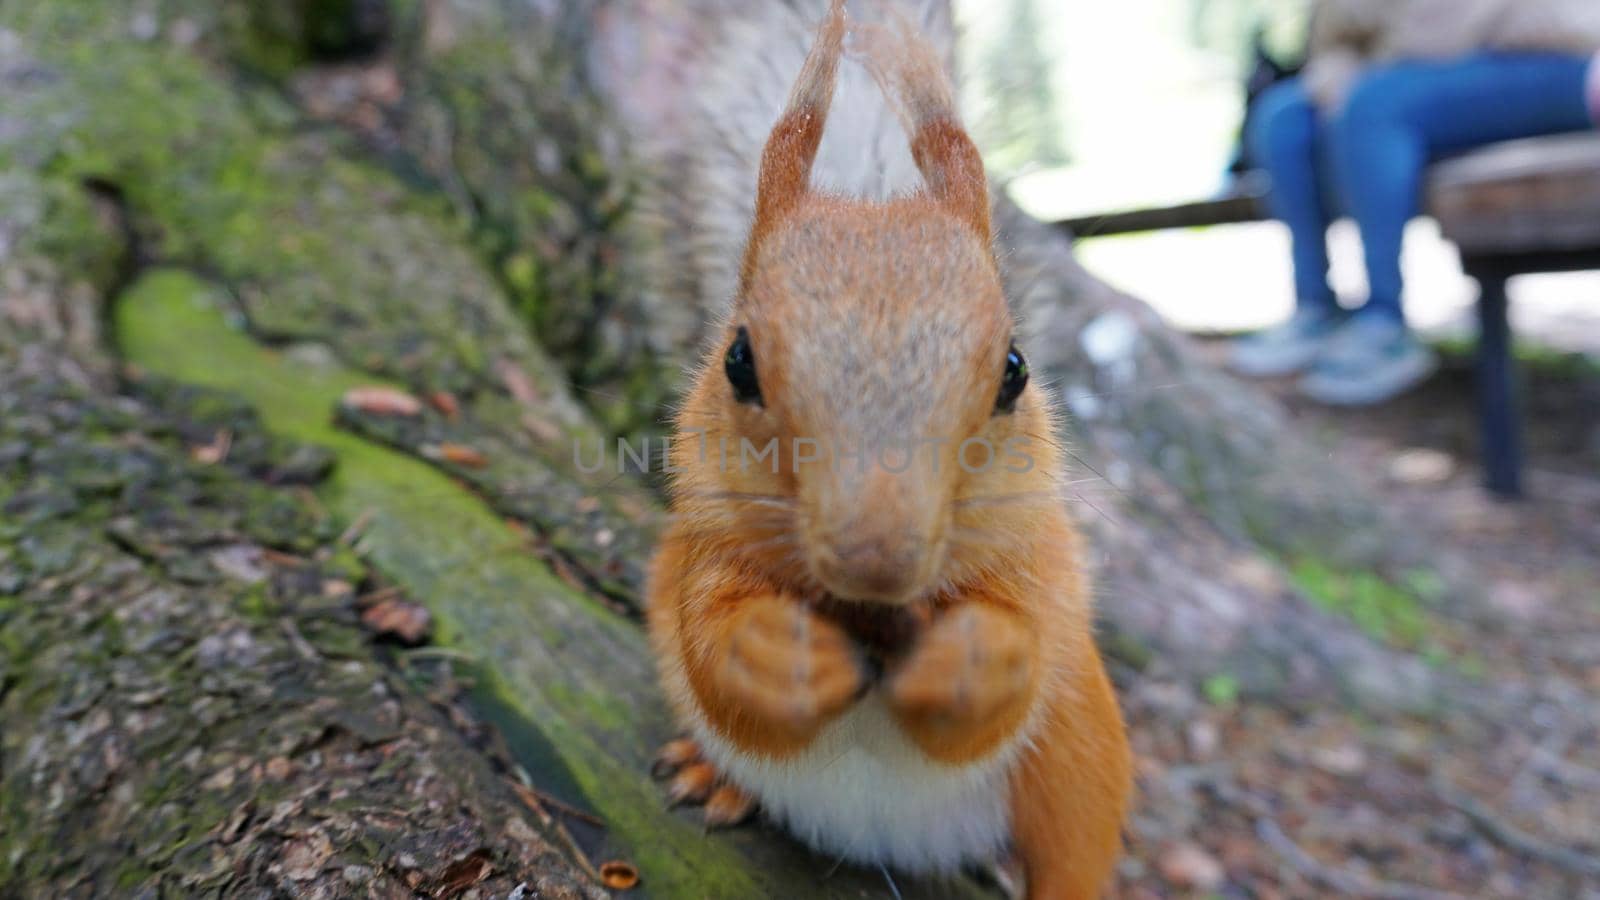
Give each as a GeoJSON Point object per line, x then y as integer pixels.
{"type": "Point", "coordinates": [190, 706]}
{"type": "Point", "coordinates": [568, 677]}
{"type": "Point", "coordinates": [557, 663]}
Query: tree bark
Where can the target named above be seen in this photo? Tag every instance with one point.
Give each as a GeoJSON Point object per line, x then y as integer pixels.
{"type": "Point", "coordinates": [190, 704]}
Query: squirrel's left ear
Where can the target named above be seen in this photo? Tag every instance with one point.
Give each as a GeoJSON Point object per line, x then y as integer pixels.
{"type": "Point", "coordinates": [791, 149]}
{"type": "Point", "coordinates": [914, 79]}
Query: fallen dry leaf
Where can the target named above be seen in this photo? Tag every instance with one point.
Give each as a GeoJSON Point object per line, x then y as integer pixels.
{"type": "Point", "coordinates": [214, 452]}
{"type": "Point", "coordinates": [303, 859]}
{"type": "Point", "coordinates": [462, 455]}
{"type": "Point", "coordinates": [383, 84]}
{"type": "Point", "coordinates": [373, 598]}
{"type": "Point", "coordinates": [1343, 759]}
{"type": "Point", "coordinates": [1421, 465]}
{"type": "Point", "coordinates": [540, 429]}
{"type": "Point", "coordinates": [446, 403]}
{"type": "Point", "coordinates": [1189, 865]}
{"type": "Point", "coordinates": [408, 622]}
{"type": "Point", "coordinates": [530, 798]}
{"type": "Point", "coordinates": [1203, 738]}
{"type": "Point", "coordinates": [463, 874]}
{"type": "Point", "coordinates": [382, 401]}
{"type": "Point", "coordinates": [619, 875]}
{"type": "Point", "coordinates": [517, 383]}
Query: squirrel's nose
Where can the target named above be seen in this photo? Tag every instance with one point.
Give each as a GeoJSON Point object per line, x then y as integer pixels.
{"type": "Point", "coordinates": [880, 569]}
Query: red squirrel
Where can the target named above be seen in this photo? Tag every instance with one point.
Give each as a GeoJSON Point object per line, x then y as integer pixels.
{"type": "Point", "coordinates": [871, 611]}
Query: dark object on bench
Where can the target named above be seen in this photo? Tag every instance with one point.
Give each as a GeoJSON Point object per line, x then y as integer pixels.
{"type": "Point", "coordinates": [1246, 202]}
{"type": "Point", "coordinates": [1266, 71]}
{"type": "Point", "coordinates": [1516, 209]}
{"type": "Point", "coordinates": [1513, 209]}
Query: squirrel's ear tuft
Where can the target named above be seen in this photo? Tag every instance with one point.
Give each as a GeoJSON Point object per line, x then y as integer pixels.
{"type": "Point", "coordinates": [913, 77]}
{"type": "Point", "coordinates": [792, 147]}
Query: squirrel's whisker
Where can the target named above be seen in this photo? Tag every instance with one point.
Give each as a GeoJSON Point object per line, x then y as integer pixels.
{"type": "Point", "coordinates": [778, 541]}
{"type": "Point", "coordinates": [1097, 473]}
{"type": "Point", "coordinates": [1091, 504]}
{"type": "Point", "coordinates": [773, 500]}
{"type": "Point", "coordinates": [1003, 499]}
{"type": "Point", "coordinates": [963, 538]}
{"type": "Point", "coordinates": [755, 529]}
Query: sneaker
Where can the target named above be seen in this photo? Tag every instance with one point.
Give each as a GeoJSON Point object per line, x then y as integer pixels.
{"type": "Point", "coordinates": [1372, 359]}
{"type": "Point", "coordinates": [1287, 348]}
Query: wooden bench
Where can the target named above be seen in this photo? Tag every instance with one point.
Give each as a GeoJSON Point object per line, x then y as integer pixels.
{"type": "Point", "coordinates": [1512, 209]}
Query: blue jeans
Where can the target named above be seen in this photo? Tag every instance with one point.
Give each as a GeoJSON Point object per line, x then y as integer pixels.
{"type": "Point", "coordinates": [1368, 159]}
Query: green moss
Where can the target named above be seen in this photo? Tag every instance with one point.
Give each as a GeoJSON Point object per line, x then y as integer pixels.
{"type": "Point", "coordinates": [521, 272]}
{"type": "Point", "coordinates": [64, 226]}
{"type": "Point", "coordinates": [1535, 358]}
{"type": "Point", "coordinates": [491, 599]}
{"type": "Point", "coordinates": [276, 38]}
{"type": "Point", "coordinates": [547, 204]}
{"type": "Point", "coordinates": [215, 176]}
{"type": "Point", "coordinates": [1221, 689]}
{"type": "Point", "coordinates": [346, 563]}
{"type": "Point", "coordinates": [134, 875]}
{"type": "Point", "coordinates": [255, 604]}
{"type": "Point", "coordinates": [1387, 611]}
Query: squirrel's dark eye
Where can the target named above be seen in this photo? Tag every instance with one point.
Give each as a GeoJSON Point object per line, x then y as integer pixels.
{"type": "Point", "coordinates": [740, 364]}
{"type": "Point", "coordinates": [1013, 381]}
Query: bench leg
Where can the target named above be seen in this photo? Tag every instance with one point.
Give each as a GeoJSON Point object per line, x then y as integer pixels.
{"type": "Point", "coordinates": [1497, 390]}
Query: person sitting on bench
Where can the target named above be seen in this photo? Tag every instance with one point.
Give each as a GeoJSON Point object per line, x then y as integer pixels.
{"type": "Point", "coordinates": [1389, 86]}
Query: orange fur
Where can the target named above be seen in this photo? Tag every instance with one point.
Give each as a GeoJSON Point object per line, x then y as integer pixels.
{"type": "Point", "coordinates": [1070, 791]}
{"type": "Point", "coordinates": [872, 324]}
{"type": "Point", "coordinates": [792, 147]}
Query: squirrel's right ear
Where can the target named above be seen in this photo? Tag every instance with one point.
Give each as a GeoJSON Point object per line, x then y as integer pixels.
{"type": "Point", "coordinates": [792, 148]}
{"type": "Point", "coordinates": [914, 79]}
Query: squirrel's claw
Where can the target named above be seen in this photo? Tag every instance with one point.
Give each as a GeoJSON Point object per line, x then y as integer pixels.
{"type": "Point", "coordinates": [694, 781]}
{"type": "Point", "coordinates": [692, 784]}
{"type": "Point", "coordinates": [674, 755]}
{"type": "Point", "coordinates": [729, 805]}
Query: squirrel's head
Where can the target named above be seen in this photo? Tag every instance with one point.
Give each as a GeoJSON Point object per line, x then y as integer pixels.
{"type": "Point", "coordinates": [869, 423]}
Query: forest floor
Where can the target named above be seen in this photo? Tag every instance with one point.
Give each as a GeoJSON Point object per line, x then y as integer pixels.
{"type": "Point", "coordinates": [1242, 799]}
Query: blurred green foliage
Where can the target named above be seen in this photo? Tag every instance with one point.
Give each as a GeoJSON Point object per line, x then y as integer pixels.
{"type": "Point", "coordinates": [1231, 26]}
{"type": "Point", "coordinates": [1390, 612]}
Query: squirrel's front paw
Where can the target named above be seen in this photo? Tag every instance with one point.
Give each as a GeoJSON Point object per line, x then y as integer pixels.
{"type": "Point", "coordinates": [965, 688]}
{"type": "Point", "coordinates": [788, 669]}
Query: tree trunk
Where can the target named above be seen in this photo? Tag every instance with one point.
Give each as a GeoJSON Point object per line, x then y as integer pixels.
{"type": "Point", "coordinates": [464, 218]}
{"type": "Point", "coordinates": [1201, 498]}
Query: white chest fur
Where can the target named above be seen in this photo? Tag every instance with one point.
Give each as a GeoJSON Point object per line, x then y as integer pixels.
{"type": "Point", "coordinates": [863, 792]}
